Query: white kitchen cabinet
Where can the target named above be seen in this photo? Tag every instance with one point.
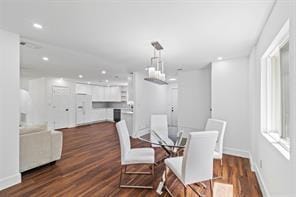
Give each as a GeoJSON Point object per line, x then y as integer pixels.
{"type": "Point", "coordinates": [109, 114]}
{"type": "Point", "coordinates": [124, 93]}
{"type": "Point", "coordinates": [98, 93]}
{"type": "Point", "coordinates": [102, 114]}
{"type": "Point", "coordinates": [98, 114]}
{"type": "Point", "coordinates": [83, 89]}
{"type": "Point", "coordinates": [115, 94]}
{"type": "Point", "coordinates": [106, 94]}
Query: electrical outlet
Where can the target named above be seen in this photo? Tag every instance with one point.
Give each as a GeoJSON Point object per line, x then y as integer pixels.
{"type": "Point", "coordinates": [260, 164]}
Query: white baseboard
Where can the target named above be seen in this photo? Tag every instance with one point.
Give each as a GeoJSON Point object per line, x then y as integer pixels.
{"type": "Point", "coordinates": [262, 185]}
{"type": "Point", "coordinates": [236, 152]}
{"type": "Point", "coordinates": [254, 167]}
{"type": "Point", "coordinates": [10, 181]}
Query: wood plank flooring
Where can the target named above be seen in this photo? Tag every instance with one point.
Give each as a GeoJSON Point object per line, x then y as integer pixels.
{"type": "Point", "coordinates": [90, 166]}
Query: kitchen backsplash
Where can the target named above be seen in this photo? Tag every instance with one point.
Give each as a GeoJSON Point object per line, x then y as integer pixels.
{"type": "Point", "coordinates": [109, 105]}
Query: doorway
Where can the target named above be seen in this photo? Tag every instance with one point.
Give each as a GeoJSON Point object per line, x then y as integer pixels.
{"type": "Point", "coordinates": [60, 107]}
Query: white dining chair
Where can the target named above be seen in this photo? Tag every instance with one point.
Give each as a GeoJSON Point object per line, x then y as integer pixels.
{"type": "Point", "coordinates": [159, 125]}
{"type": "Point", "coordinates": [197, 163]}
{"type": "Point", "coordinates": [131, 156]}
{"type": "Point", "coordinates": [220, 126]}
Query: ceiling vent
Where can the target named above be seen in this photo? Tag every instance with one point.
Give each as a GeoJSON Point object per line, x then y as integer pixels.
{"type": "Point", "coordinates": [30, 45]}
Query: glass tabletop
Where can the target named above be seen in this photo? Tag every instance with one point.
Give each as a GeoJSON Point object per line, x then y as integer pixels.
{"type": "Point", "coordinates": [176, 136]}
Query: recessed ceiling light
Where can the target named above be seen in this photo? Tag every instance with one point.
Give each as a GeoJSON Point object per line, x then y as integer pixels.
{"type": "Point", "coordinates": [37, 26]}
{"type": "Point", "coordinates": [103, 72]}
{"type": "Point", "coordinates": [106, 80]}
{"type": "Point", "coordinates": [45, 58]}
{"type": "Point", "coordinates": [88, 82]}
{"type": "Point", "coordinates": [80, 76]}
{"type": "Point", "coordinates": [172, 79]}
{"type": "Point", "coordinates": [219, 58]}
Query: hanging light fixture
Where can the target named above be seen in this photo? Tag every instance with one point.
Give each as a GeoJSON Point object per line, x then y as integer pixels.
{"type": "Point", "coordinates": [156, 70]}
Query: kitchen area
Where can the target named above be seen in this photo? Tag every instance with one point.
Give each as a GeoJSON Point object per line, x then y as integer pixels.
{"type": "Point", "coordinates": [97, 103]}
{"type": "Point", "coordinates": [66, 103]}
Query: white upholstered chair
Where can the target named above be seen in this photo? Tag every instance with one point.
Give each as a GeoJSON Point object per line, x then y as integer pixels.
{"type": "Point", "coordinates": [220, 126]}
{"type": "Point", "coordinates": [197, 163]}
{"type": "Point", "coordinates": [159, 125]}
{"type": "Point", "coordinates": [130, 156]}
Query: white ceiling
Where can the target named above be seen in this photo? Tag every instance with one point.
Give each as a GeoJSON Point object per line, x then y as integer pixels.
{"type": "Point", "coordinates": [84, 36]}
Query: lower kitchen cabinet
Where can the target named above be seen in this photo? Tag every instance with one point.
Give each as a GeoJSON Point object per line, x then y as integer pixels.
{"type": "Point", "coordinates": [109, 114]}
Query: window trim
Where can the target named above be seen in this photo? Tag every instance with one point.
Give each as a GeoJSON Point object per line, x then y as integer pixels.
{"type": "Point", "coordinates": [281, 144]}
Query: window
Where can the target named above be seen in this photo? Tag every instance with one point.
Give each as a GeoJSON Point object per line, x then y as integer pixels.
{"type": "Point", "coordinates": [275, 89]}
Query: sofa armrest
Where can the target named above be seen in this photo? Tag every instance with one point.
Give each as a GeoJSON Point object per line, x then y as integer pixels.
{"type": "Point", "coordinates": [34, 150]}
{"type": "Point", "coordinates": [56, 145]}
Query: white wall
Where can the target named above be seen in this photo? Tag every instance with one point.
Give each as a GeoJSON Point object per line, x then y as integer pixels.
{"type": "Point", "coordinates": [38, 112]}
{"type": "Point", "coordinates": [149, 99]}
{"type": "Point", "coordinates": [24, 83]}
{"type": "Point", "coordinates": [41, 93]}
{"type": "Point", "coordinates": [194, 98]}
{"type": "Point", "coordinates": [276, 171]}
{"type": "Point", "coordinates": [293, 93]}
{"type": "Point", "coordinates": [230, 101]}
{"type": "Point", "coordinates": [9, 109]}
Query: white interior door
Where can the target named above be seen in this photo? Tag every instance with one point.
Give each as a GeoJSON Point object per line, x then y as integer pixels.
{"type": "Point", "coordinates": [174, 106]}
{"type": "Point", "coordinates": [60, 107]}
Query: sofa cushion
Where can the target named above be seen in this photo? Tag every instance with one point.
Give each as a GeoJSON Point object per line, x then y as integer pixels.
{"type": "Point", "coordinates": [33, 129]}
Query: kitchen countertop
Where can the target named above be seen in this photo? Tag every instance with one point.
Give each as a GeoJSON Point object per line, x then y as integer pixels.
{"type": "Point", "coordinates": [127, 112]}
{"type": "Point", "coordinates": [123, 110]}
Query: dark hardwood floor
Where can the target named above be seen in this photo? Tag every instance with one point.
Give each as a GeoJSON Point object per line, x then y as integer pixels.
{"type": "Point", "coordinates": [90, 166]}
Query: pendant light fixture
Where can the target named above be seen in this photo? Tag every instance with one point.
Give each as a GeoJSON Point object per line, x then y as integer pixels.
{"type": "Point", "coordinates": [156, 70]}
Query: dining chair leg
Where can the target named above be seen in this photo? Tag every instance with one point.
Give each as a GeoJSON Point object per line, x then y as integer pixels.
{"type": "Point", "coordinates": [195, 191]}
{"type": "Point", "coordinates": [166, 173]}
{"type": "Point", "coordinates": [123, 168]}
{"type": "Point", "coordinates": [165, 177]}
{"type": "Point", "coordinates": [211, 187]}
{"type": "Point", "coordinates": [221, 164]}
{"type": "Point", "coordinates": [153, 174]}
{"type": "Point", "coordinates": [185, 191]}
{"type": "Point", "coordinates": [120, 180]}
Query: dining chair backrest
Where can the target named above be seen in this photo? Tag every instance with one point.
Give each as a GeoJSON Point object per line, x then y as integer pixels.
{"type": "Point", "coordinates": [159, 124]}
{"type": "Point", "coordinates": [124, 139]}
{"type": "Point", "coordinates": [220, 126]}
{"type": "Point", "coordinates": [198, 157]}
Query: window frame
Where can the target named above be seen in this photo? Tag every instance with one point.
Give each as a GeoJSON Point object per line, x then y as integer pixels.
{"type": "Point", "coordinates": [276, 137]}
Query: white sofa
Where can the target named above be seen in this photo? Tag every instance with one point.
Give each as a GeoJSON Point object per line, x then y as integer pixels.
{"type": "Point", "coordinates": [39, 146]}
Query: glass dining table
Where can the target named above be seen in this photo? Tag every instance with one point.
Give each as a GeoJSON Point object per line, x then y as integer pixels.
{"type": "Point", "coordinates": [172, 144]}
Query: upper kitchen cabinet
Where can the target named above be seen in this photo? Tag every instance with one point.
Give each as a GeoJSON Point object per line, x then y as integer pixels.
{"type": "Point", "coordinates": [112, 94]}
{"type": "Point", "coordinates": [115, 94]}
{"type": "Point", "coordinates": [101, 93]}
{"type": "Point", "coordinates": [83, 89]}
{"type": "Point", "coordinates": [106, 94]}
{"type": "Point", "coordinates": [98, 93]}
